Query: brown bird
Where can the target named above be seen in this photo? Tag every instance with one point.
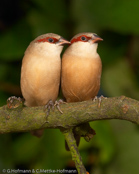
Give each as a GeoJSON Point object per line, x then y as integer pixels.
{"type": "Point", "coordinates": [81, 68]}
{"type": "Point", "coordinates": [41, 68]}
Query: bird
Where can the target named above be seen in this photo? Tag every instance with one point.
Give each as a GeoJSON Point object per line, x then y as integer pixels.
{"type": "Point", "coordinates": [41, 69]}
{"type": "Point", "coordinates": [81, 69]}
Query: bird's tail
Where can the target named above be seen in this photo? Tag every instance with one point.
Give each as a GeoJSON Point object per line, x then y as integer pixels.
{"type": "Point", "coordinates": [38, 133]}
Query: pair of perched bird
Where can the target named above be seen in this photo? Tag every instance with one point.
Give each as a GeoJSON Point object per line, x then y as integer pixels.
{"type": "Point", "coordinates": [79, 73]}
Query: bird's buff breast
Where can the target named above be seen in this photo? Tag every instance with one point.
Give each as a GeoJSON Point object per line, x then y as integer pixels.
{"type": "Point", "coordinates": [40, 76]}
{"type": "Point", "coordinates": [80, 78]}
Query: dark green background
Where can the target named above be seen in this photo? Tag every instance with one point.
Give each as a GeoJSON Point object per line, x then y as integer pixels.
{"type": "Point", "coordinates": [115, 147]}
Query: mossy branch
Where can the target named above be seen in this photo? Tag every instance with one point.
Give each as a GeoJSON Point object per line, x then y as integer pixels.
{"type": "Point", "coordinates": [69, 137]}
{"type": "Point", "coordinates": [14, 117]}
{"type": "Point", "coordinates": [18, 118]}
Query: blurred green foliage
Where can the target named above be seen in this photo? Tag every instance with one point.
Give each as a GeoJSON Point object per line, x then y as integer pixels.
{"type": "Point", "coordinates": [115, 147]}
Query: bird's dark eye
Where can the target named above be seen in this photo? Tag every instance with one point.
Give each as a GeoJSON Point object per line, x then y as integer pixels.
{"type": "Point", "coordinates": [51, 40]}
{"type": "Point", "coordinates": [83, 38]}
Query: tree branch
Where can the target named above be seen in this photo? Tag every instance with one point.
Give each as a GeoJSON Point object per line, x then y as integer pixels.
{"type": "Point", "coordinates": [69, 137]}
{"type": "Point", "coordinates": [16, 118]}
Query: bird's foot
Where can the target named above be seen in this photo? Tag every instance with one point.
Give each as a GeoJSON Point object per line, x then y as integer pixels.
{"type": "Point", "coordinates": [51, 105]}
{"type": "Point", "coordinates": [57, 103]}
{"type": "Point", "coordinates": [99, 100]}
{"type": "Point", "coordinates": [14, 102]}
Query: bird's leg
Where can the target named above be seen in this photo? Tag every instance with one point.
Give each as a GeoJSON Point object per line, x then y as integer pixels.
{"type": "Point", "coordinates": [48, 106]}
{"type": "Point", "coordinates": [99, 99]}
{"type": "Point", "coordinates": [95, 98]}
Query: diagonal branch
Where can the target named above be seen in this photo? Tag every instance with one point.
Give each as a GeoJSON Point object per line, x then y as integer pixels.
{"type": "Point", "coordinates": [22, 119]}
{"type": "Point", "coordinates": [69, 137]}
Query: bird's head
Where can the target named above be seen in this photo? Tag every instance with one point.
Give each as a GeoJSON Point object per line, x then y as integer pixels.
{"type": "Point", "coordinates": [49, 43]}
{"type": "Point", "coordinates": [84, 43]}
{"type": "Point", "coordinates": [86, 37]}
